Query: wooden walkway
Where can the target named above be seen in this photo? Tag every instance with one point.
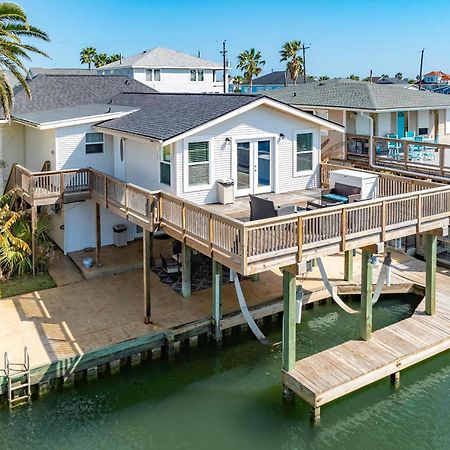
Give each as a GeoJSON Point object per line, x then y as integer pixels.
{"type": "Point", "coordinates": [333, 373]}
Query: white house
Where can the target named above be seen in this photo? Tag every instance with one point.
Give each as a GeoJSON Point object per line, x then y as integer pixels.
{"type": "Point", "coordinates": [167, 70]}
{"type": "Point", "coordinates": [357, 104]}
{"type": "Point", "coordinates": [179, 143]}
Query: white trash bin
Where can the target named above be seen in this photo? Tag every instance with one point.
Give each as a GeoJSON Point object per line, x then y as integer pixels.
{"type": "Point", "coordinates": [225, 191]}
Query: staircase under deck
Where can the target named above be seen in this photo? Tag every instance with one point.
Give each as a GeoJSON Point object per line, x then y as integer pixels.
{"type": "Point", "coordinates": [338, 371]}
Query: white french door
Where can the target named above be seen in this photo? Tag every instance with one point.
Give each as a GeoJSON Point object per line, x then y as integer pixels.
{"type": "Point", "coordinates": [253, 167]}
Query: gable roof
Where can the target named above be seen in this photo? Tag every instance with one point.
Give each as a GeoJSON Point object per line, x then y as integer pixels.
{"type": "Point", "coordinates": [167, 117]}
{"type": "Point", "coordinates": [162, 58]}
{"type": "Point", "coordinates": [358, 95]}
{"type": "Point", "coordinates": [51, 92]}
{"type": "Point", "coordinates": [438, 73]}
{"type": "Point", "coordinates": [34, 71]}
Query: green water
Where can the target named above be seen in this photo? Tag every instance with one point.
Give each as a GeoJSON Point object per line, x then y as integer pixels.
{"type": "Point", "coordinates": [231, 399]}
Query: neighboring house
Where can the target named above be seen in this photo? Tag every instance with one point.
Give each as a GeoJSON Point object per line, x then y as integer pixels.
{"type": "Point", "coordinates": [274, 80]}
{"type": "Point", "coordinates": [392, 80]}
{"type": "Point", "coordinates": [169, 71]}
{"type": "Point", "coordinates": [358, 104]}
{"type": "Point", "coordinates": [179, 143]}
{"type": "Point", "coordinates": [436, 81]}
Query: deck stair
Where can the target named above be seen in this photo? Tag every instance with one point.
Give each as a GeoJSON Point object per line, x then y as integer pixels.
{"type": "Point", "coordinates": [18, 376]}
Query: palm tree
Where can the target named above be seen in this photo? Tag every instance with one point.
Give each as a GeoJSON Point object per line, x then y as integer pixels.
{"type": "Point", "coordinates": [353, 77]}
{"type": "Point", "coordinates": [114, 57]}
{"type": "Point", "coordinates": [289, 53]}
{"type": "Point", "coordinates": [399, 76]}
{"type": "Point", "coordinates": [384, 76]}
{"type": "Point", "coordinates": [250, 62]}
{"type": "Point", "coordinates": [13, 27]}
{"type": "Point", "coordinates": [88, 55]}
{"type": "Point", "coordinates": [237, 82]}
{"type": "Point", "coordinates": [324, 78]}
{"type": "Point", "coordinates": [101, 59]}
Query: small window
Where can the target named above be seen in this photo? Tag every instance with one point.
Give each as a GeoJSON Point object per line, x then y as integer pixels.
{"type": "Point", "coordinates": [198, 163]}
{"type": "Point", "coordinates": [148, 75]}
{"type": "Point", "coordinates": [304, 152]}
{"type": "Point", "coordinates": [200, 75]}
{"type": "Point", "coordinates": [193, 75]}
{"type": "Point", "coordinates": [157, 74]}
{"type": "Point", "coordinates": [94, 142]}
{"type": "Point", "coordinates": [423, 131]}
{"type": "Point", "coordinates": [164, 164]}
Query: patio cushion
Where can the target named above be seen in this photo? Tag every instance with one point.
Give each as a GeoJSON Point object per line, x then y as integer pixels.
{"type": "Point", "coordinates": [335, 198]}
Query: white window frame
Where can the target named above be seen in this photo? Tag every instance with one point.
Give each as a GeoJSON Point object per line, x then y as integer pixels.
{"type": "Point", "coordinates": [169, 163]}
{"type": "Point", "coordinates": [86, 144]}
{"type": "Point", "coordinates": [148, 74]}
{"type": "Point", "coordinates": [155, 71]}
{"type": "Point", "coordinates": [315, 133]}
{"type": "Point", "coordinates": [202, 72]}
{"type": "Point", "coordinates": [193, 72]}
{"type": "Point", "coordinates": [198, 187]}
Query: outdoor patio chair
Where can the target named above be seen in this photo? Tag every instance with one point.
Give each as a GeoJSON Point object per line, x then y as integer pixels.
{"type": "Point", "coordinates": [393, 147]}
{"type": "Point", "coordinates": [261, 208]}
{"type": "Point", "coordinates": [410, 134]}
{"type": "Point", "coordinates": [170, 270]}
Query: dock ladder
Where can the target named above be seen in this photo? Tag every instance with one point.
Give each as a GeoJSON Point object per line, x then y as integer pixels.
{"type": "Point", "coordinates": [18, 376]}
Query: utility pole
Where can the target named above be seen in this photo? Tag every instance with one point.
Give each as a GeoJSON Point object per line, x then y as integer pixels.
{"type": "Point", "coordinates": [304, 60]}
{"type": "Point", "coordinates": [421, 69]}
{"type": "Point", "coordinates": [224, 55]}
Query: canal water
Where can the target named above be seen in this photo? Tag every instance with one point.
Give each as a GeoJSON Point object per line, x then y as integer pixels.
{"type": "Point", "coordinates": [231, 399]}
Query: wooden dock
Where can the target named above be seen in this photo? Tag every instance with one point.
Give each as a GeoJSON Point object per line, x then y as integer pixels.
{"type": "Point", "coordinates": [338, 371]}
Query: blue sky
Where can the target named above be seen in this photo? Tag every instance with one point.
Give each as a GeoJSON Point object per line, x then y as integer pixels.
{"type": "Point", "coordinates": [345, 36]}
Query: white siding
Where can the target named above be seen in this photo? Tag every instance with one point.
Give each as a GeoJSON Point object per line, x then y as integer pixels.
{"type": "Point", "coordinates": [79, 226]}
{"type": "Point", "coordinates": [261, 122]}
{"type": "Point", "coordinates": [39, 147]}
{"type": "Point", "coordinates": [362, 125]}
{"type": "Point", "coordinates": [12, 149]}
{"type": "Point", "coordinates": [383, 124]}
{"type": "Point", "coordinates": [71, 152]}
{"type": "Point", "coordinates": [447, 121]}
{"type": "Point", "coordinates": [142, 165]}
{"type": "Point", "coordinates": [423, 120]}
{"type": "Point", "coordinates": [179, 80]}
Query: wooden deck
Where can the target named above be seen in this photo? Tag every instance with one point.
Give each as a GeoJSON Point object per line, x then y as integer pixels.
{"type": "Point", "coordinates": [403, 207]}
{"type": "Point", "coordinates": [338, 371]}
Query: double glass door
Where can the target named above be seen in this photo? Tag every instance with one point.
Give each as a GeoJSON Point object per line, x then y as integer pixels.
{"type": "Point", "coordinates": [253, 167]}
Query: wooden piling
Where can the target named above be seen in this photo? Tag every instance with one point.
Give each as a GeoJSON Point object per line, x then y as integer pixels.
{"type": "Point", "coordinates": [34, 239]}
{"type": "Point", "coordinates": [98, 236]}
{"type": "Point", "coordinates": [186, 270]}
{"type": "Point", "coordinates": [147, 269]}
{"type": "Point", "coordinates": [348, 265]}
{"type": "Point", "coordinates": [430, 281]}
{"type": "Point", "coordinates": [289, 325]}
{"type": "Point", "coordinates": [366, 294]}
{"type": "Point", "coordinates": [217, 299]}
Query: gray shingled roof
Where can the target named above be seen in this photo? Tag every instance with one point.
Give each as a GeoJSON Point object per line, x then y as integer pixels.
{"type": "Point", "coordinates": [59, 91]}
{"type": "Point", "coordinates": [163, 116]}
{"type": "Point", "coordinates": [276, 77]}
{"type": "Point", "coordinates": [161, 58]}
{"type": "Point", "coordinates": [351, 94]}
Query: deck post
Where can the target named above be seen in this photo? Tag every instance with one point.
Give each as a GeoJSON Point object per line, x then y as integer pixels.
{"type": "Point", "coordinates": [348, 265]}
{"type": "Point", "coordinates": [289, 325]}
{"type": "Point", "coordinates": [314, 414]}
{"type": "Point", "coordinates": [147, 269]}
{"type": "Point", "coordinates": [366, 294]}
{"type": "Point", "coordinates": [395, 379]}
{"type": "Point", "coordinates": [217, 299]}
{"type": "Point", "coordinates": [186, 252]}
{"type": "Point", "coordinates": [34, 239]}
{"type": "Point", "coordinates": [98, 236]}
{"type": "Point", "coordinates": [430, 280]}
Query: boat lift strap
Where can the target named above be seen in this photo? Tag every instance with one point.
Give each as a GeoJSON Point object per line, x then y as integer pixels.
{"type": "Point", "coordinates": [333, 292]}
{"type": "Point", "coordinates": [246, 313]}
{"type": "Point", "coordinates": [382, 278]}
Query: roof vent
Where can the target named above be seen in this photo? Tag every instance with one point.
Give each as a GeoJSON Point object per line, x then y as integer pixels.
{"type": "Point", "coordinates": [295, 94]}
{"type": "Point", "coordinates": [127, 81]}
{"type": "Point", "coordinates": [109, 110]}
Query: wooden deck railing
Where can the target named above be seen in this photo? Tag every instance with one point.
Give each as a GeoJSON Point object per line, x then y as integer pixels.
{"type": "Point", "coordinates": [404, 206]}
{"type": "Point", "coordinates": [424, 158]}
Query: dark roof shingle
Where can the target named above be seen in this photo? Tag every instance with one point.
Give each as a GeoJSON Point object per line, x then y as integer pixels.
{"type": "Point", "coordinates": [163, 116]}
{"type": "Point", "coordinates": [59, 91]}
